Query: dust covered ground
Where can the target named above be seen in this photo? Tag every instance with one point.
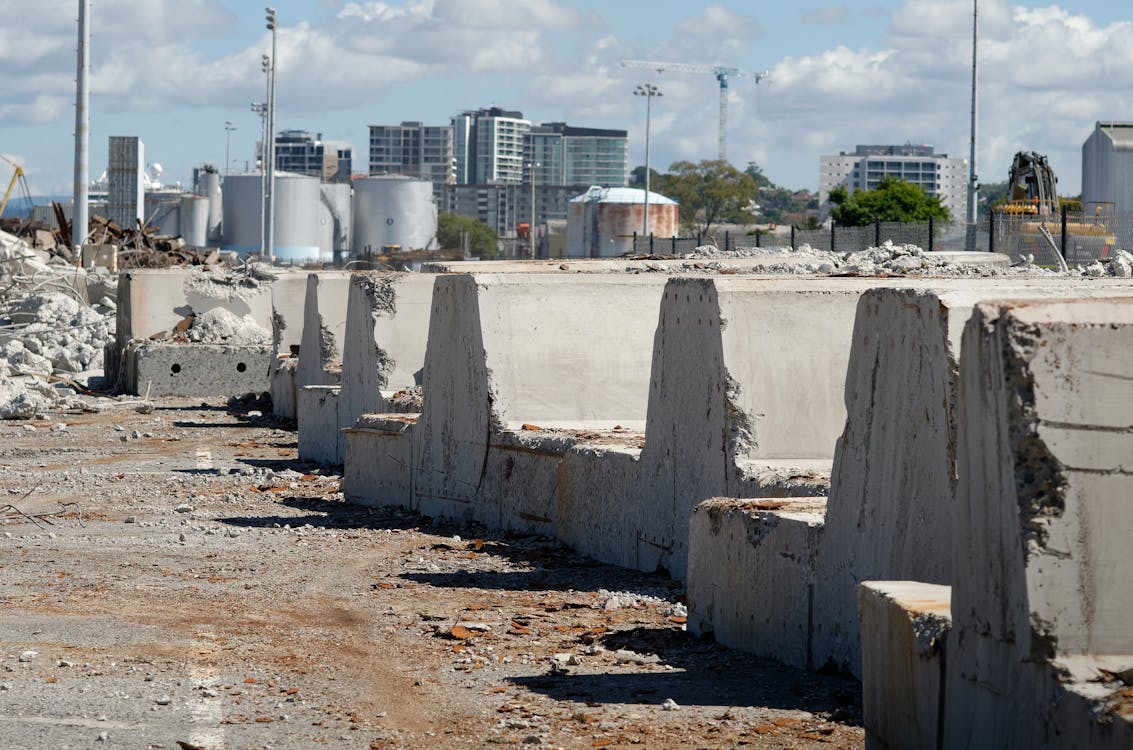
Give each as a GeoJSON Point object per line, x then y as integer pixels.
{"type": "Point", "coordinates": [176, 579]}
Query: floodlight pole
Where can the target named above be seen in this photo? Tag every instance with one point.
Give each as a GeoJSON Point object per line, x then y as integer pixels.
{"type": "Point", "coordinates": [649, 91]}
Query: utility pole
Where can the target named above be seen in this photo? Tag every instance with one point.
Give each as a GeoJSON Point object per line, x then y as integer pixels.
{"type": "Point", "coordinates": [648, 90]}
{"type": "Point", "coordinates": [80, 198]}
{"type": "Point", "coordinates": [269, 218]}
{"type": "Point", "coordinates": [228, 128]}
{"type": "Point", "coordinates": [973, 178]}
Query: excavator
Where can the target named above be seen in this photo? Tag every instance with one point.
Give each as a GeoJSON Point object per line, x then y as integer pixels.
{"type": "Point", "coordinates": [1033, 210]}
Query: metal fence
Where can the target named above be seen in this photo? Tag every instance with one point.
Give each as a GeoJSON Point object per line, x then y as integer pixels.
{"type": "Point", "coordinates": [1080, 236]}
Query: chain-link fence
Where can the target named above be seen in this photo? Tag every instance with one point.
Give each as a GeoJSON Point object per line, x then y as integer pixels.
{"type": "Point", "coordinates": [1080, 236]}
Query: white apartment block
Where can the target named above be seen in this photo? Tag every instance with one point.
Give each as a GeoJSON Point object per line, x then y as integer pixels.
{"type": "Point", "coordinates": [863, 169]}
{"type": "Point", "coordinates": [489, 146]}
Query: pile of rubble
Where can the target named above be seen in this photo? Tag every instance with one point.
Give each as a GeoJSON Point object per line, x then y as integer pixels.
{"type": "Point", "coordinates": [138, 247]}
{"type": "Point", "coordinates": [891, 259]}
{"type": "Point", "coordinates": [50, 335]}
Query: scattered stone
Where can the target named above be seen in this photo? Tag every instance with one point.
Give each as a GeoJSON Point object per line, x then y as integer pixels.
{"type": "Point", "coordinates": [670, 705]}
{"type": "Point", "coordinates": [27, 656]}
{"type": "Point", "coordinates": [183, 508]}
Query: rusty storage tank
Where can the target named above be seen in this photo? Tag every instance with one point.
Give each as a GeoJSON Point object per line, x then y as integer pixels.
{"type": "Point", "coordinates": [393, 211]}
{"type": "Point", "coordinates": [601, 223]}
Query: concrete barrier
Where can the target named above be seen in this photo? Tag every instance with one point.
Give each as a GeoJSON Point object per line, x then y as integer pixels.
{"type": "Point", "coordinates": [151, 302]}
{"type": "Point", "coordinates": [519, 367]}
{"type": "Point", "coordinates": [1041, 601]}
{"type": "Point", "coordinates": [288, 297]}
{"type": "Point", "coordinates": [746, 400]}
{"type": "Point", "coordinates": [324, 329]}
{"type": "Point", "coordinates": [890, 509]}
{"type": "Point", "coordinates": [382, 319]}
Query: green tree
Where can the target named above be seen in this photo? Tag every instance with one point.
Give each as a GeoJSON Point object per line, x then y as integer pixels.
{"type": "Point", "coordinates": [709, 192]}
{"type": "Point", "coordinates": [892, 200]}
{"type": "Point", "coordinates": [452, 228]}
{"type": "Point", "coordinates": [756, 173]}
{"type": "Point", "coordinates": [637, 177]}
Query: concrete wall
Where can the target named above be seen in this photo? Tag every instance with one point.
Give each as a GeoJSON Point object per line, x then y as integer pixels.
{"type": "Point", "coordinates": [324, 328]}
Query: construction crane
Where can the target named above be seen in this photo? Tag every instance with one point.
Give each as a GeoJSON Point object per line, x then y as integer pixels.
{"type": "Point", "coordinates": [17, 176]}
{"type": "Point", "coordinates": [722, 74]}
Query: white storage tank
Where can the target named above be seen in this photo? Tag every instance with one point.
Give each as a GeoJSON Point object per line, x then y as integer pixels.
{"type": "Point", "coordinates": [241, 201]}
{"type": "Point", "coordinates": [334, 221]}
{"type": "Point", "coordinates": [195, 213]}
{"type": "Point", "coordinates": [601, 222]}
{"type": "Point", "coordinates": [163, 211]}
{"type": "Point", "coordinates": [296, 216]}
{"type": "Point", "coordinates": [393, 211]}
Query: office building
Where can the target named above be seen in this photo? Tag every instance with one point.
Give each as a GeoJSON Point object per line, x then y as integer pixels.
{"type": "Point", "coordinates": [296, 151]}
{"type": "Point", "coordinates": [424, 152]}
{"type": "Point", "coordinates": [566, 155]}
{"type": "Point", "coordinates": [863, 169]}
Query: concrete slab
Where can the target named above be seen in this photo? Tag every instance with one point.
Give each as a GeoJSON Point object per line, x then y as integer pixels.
{"type": "Point", "coordinates": [324, 329]}
{"type": "Point", "coordinates": [163, 369]}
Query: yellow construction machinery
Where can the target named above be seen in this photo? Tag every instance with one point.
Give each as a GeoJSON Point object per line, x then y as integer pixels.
{"type": "Point", "coordinates": [1027, 222]}
{"type": "Point", "coordinates": [17, 177]}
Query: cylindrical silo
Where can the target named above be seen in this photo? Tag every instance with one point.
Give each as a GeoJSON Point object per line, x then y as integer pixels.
{"type": "Point", "coordinates": [602, 222]}
{"type": "Point", "coordinates": [334, 221]}
{"type": "Point", "coordinates": [296, 218]}
{"type": "Point", "coordinates": [163, 211]}
{"type": "Point", "coordinates": [215, 208]}
{"type": "Point", "coordinates": [242, 226]}
{"type": "Point", "coordinates": [393, 211]}
{"type": "Point", "coordinates": [195, 214]}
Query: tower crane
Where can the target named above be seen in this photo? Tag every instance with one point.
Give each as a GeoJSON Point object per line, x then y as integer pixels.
{"type": "Point", "coordinates": [722, 74]}
{"type": "Point", "coordinates": [17, 177]}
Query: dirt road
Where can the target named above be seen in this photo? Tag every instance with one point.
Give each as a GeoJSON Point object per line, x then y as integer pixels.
{"type": "Point", "coordinates": [176, 579]}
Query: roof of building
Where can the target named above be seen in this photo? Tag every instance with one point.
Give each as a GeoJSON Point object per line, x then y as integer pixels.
{"type": "Point", "coordinates": [622, 195]}
{"type": "Point", "coordinates": [1118, 132]}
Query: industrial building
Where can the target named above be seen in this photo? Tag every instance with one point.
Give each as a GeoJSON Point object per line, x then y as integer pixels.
{"type": "Point", "coordinates": [1107, 165]}
{"type": "Point", "coordinates": [415, 150]}
{"type": "Point", "coordinates": [296, 151]}
{"type": "Point", "coordinates": [936, 174]}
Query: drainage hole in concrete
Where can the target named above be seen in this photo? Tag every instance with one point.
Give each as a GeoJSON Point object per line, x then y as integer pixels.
{"type": "Point", "coordinates": [241, 367]}
{"type": "Point", "coordinates": [176, 368]}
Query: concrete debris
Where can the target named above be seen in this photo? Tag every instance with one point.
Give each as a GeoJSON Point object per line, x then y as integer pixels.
{"type": "Point", "coordinates": [889, 259]}
{"type": "Point", "coordinates": [220, 326]}
{"type": "Point", "coordinates": [1120, 265]}
{"type": "Point", "coordinates": [49, 334]}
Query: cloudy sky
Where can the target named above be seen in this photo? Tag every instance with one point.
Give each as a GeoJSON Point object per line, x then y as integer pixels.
{"type": "Point", "coordinates": [880, 71]}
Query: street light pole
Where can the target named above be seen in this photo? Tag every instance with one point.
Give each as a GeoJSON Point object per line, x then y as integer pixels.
{"type": "Point", "coordinates": [531, 226]}
{"type": "Point", "coordinates": [261, 108]}
{"type": "Point", "coordinates": [228, 128]}
{"type": "Point", "coordinates": [649, 91]}
{"type": "Point", "coordinates": [270, 67]}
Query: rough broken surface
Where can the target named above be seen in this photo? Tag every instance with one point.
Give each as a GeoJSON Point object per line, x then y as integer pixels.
{"type": "Point", "coordinates": [1043, 501]}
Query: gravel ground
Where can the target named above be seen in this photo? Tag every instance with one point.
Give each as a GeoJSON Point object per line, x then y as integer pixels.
{"type": "Point", "coordinates": [177, 579]}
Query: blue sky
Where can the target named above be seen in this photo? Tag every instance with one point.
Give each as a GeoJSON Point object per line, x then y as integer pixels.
{"type": "Point", "coordinates": [881, 71]}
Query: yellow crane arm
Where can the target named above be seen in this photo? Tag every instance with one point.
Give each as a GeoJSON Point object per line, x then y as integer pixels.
{"type": "Point", "coordinates": [11, 185]}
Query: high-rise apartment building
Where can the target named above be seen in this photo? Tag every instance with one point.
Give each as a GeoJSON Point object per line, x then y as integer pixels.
{"type": "Point", "coordinates": [488, 145]}
{"type": "Point", "coordinates": [566, 155]}
{"type": "Point", "coordinates": [296, 151]}
{"type": "Point", "coordinates": [421, 151]}
{"type": "Point", "coordinates": [863, 169]}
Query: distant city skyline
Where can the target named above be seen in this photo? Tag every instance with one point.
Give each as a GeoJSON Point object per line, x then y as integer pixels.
{"type": "Point", "coordinates": [840, 74]}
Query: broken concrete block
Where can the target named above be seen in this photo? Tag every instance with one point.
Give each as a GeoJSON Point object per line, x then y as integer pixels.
{"type": "Point", "coordinates": [751, 574]}
{"type": "Point", "coordinates": [324, 328]}
{"type": "Point", "coordinates": [167, 369]}
{"type": "Point", "coordinates": [320, 439]}
{"type": "Point", "coordinates": [1040, 599]}
{"type": "Point", "coordinates": [904, 627]}
{"type": "Point", "coordinates": [379, 460]}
